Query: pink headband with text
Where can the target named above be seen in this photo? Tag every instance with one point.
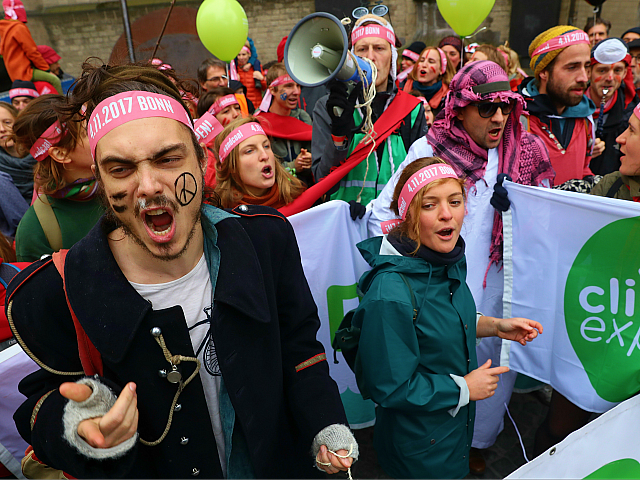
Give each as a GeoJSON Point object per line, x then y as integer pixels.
{"type": "Point", "coordinates": [563, 41]}
{"type": "Point", "coordinates": [23, 92]}
{"type": "Point", "coordinates": [50, 138]}
{"type": "Point", "coordinates": [373, 30]}
{"type": "Point", "coordinates": [418, 180]}
{"type": "Point", "coordinates": [411, 54]}
{"type": "Point", "coordinates": [207, 128]}
{"type": "Point", "coordinates": [128, 106]}
{"type": "Point", "coordinates": [222, 103]}
{"type": "Point", "coordinates": [238, 136]}
{"type": "Point", "coordinates": [247, 49]}
{"type": "Point", "coordinates": [389, 225]}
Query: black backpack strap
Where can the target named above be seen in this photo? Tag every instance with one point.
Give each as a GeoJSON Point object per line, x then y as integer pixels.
{"type": "Point", "coordinates": [7, 272]}
{"type": "Point", "coordinates": [413, 297]}
{"type": "Point", "coordinates": [614, 188]}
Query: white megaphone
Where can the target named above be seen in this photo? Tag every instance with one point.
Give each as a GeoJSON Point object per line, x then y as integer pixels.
{"type": "Point", "coordinates": [317, 51]}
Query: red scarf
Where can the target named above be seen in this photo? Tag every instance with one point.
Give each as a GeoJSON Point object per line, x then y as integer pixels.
{"type": "Point", "coordinates": [287, 128]}
{"type": "Point", "coordinates": [269, 199]}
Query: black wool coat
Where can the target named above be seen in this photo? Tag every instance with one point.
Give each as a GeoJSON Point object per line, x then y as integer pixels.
{"type": "Point", "coordinates": [264, 325]}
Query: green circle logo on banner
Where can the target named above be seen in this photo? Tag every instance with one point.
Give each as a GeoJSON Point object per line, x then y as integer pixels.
{"type": "Point", "coordinates": [601, 309]}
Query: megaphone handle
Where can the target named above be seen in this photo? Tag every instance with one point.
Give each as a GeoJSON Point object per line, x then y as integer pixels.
{"type": "Point", "coordinates": [337, 111]}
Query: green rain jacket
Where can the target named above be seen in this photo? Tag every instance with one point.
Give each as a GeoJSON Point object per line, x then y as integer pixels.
{"type": "Point", "coordinates": [406, 366]}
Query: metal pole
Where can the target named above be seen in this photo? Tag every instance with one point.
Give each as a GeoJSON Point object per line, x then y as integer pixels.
{"type": "Point", "coordinates": [166, 21]}
{"type": "Point", "coordinates": [127, 30]}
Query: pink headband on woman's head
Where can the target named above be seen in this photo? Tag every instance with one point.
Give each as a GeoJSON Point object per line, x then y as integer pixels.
{"type": "Point", "coordinates": [238, 136]}
{"type": "Point", "coordinates": [563, 41]}
{"type": "Point", "coordinates": [50, 138]}
{"type": "Point", "coordinates": [411, 54]}
{"type": "Point", "coordinates": [636, 111]}
{"type": "Point", "coordinates": [222, 103]}
{"type": "Point", "coordinates": [247, 49]}
{"type": "Point", "coordinates": [373, 30]}
{"type": "Point", "coordinates": [418, 180]}
{"type": "Point", "coordinates": [443, 61]}
{"type": "Point", "coordinates": [128, 106]}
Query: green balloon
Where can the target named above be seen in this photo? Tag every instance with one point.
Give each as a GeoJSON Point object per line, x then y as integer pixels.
{"type": "Point", "coordinates": [465, 16]}
{"type": "Point", "coordinates": [222, 27]}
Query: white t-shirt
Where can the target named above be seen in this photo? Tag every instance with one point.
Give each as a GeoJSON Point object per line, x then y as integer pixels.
{"type": "Point", "coordinates": [194, 294]}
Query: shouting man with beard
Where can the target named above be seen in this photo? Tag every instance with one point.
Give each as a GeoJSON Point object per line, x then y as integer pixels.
{"type": "Point", "coordinates": [560, 113]}
{"type": "Point", "coordinates": [198, 321]}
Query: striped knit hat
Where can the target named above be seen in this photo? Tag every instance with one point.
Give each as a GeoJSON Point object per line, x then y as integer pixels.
{"type": "Point", "coordinates": [540, 60]}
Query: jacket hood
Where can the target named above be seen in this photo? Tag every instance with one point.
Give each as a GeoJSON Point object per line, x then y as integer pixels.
{"type": "Point", "coordinates": [383, 256]}
{"type": "Point", "coordinates": [540, 104]}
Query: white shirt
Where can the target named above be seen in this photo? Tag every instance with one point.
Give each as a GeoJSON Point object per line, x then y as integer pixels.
{"type": "Point", "coordinates": [194, 294]}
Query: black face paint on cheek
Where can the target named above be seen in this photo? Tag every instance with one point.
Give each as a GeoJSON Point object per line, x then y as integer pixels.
{"type": "Point", "coordinates": [119, 195]}
{"type": "Point", "coordinates": [186, 188]}
{"type": "Point", "coordinates": [119, 208]}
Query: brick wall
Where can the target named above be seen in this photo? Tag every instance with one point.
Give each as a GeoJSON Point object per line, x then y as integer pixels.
{"type": "Point", "coordinates": [623, 14]}
{"type": "Point", "coordinates": [430, 27]}
{"type": "Point", "coordinates": [78, 28]}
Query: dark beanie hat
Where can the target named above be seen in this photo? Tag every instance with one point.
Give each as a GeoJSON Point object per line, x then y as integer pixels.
{"type": "Point", "coordinates": [22, 88]}
{"type": "Point", "coordinates": [417, 47]}
{"type": "Point", "coordinates": [631, 30]}
{"type": "Point", "coordinates": [455, 42]}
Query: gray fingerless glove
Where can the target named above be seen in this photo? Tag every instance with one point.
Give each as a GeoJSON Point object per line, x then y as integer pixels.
{"type": "Point", "coordinates": [335, 437]}
{"type": "Point", "coordinates": [97, 405]}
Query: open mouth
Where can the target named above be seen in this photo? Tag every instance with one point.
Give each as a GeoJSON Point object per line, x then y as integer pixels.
{"type": "Point", "coordinates": [267, 171]}
{"type": "Point", "coordinates": [159, 224]}
{"type": "Point", "coordinates": [424, 72]}
{"type": "Point", "coordinates": [445, 233]}
{"type": "Point", "coordinates": [494, 133]}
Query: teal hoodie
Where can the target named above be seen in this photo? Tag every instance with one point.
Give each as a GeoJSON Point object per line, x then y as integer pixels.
{"type": "Point", "coordinates": [423, 427]}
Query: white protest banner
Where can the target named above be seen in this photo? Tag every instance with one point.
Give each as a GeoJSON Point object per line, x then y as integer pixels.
{"type": "Point", "coordinates": [604, 448]}
{"type": "Point", "coordinates": [14, 365]}
{"type": "Point", "coordinates": [327, 238]}
{"type": "Point", "coordinates": [575, 269]}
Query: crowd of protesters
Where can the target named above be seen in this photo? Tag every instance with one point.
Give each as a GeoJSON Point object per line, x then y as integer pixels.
{"type": "Point", "coordinates": [163, 247]}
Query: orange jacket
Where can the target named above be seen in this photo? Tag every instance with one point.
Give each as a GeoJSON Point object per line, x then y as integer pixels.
{"type": "Point", "coordinates": [253, 94]}
{"type": "Point", "coordinates": [19, 50]}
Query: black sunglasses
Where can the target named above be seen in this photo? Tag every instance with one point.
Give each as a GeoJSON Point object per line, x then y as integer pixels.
{"type": "Point", "coordinates": [489, 109]}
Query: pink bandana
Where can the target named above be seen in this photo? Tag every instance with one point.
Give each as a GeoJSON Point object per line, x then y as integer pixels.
{"type": "Point", "coordinates": [23, 92]}
{"type": "Point", "coordinates": [207, 128]}
{"type": "Point", "coordinates": [281, 80]}
{"type": "Point", "coordinates": [420, 179]}
{"type": "Point", "coordinates": [411, 54]}
{"type": "Point", "coordinates": [238, 136]}
{"type": "Point", "coordinates": [574, 37]}
{"type": "Point", "coordinates": [222, 103]}
{"type": "Point", "coordinates": [246, 49]}
{"type": "Point", "coordinates": [50, 138]}
{"type": "Point", "coordinates": [443, 61]}
{"type": "Point", "coordinates": [373, 30]}
{"type": "Point", "coordinates": [125, 107]}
